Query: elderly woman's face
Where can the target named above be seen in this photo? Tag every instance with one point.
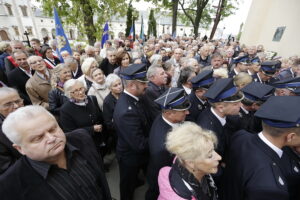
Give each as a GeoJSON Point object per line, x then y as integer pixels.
{"type": "Point", "coordinates": [65, 74]}
{"type": "Point", "coordinates": [116, 87]}
{"type": "Point", "coordinates": [208, 164]}
{"type": "Point", "coordinates": [78, 91]}
{"type": "Point", "coordinates": [98, 76]}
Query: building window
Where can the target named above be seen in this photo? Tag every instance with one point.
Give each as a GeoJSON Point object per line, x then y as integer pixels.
{"type": "Point", "coordinates": [16, 29]}
{"type": "Point", "coordinates": [29, 30]}
{"type": "Point", "coordinates": [8, 6]}
{"type": "Point", "coordinates": [4, 35]}
{"type": "Point", "coordinates": [24, 11]}
{"type": "Point", "coordinates": [41, 20]}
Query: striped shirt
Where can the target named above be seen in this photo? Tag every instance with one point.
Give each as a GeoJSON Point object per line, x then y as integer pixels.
{"type": "Point", "coordinates": [77, 182]}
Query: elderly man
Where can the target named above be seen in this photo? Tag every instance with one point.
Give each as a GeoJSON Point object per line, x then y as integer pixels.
{"type": "Point", "coordinates": [18, 77]}
{"type": "Point", "coordinates": [292, 72]}
{"type": "Point", "coordinates": [90, 52]}
{"type": "Point", "coordinates": [157, 85]}
{"type": "Point", "coordinates": [109, 64]}
{"type": "Point", "coordinates": [38, 86]}
{"type": "Point", "coordinates": [53, 165]}
{"type": "Point", "coordinates": [178, 53]}
{"type": "Point", "coordinates": [193, 63]}
{"type": "Point", "coordinates": [216, 62]}
{"type": "Point", "coordinates": [9, 102]}
{"type": "Point", "coordinates": [132, 128]}
{"type": "Point", "coordinates": [263, 166]}
{"type": "Point", "coordinates": [184, 80]}
{"type": "Point", "coordinates": [175, 104]}
{"type": "Point", "coordinates": [9, 61]}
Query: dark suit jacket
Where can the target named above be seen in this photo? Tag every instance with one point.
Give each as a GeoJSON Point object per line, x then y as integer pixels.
{"type": "Point", "coordinates": [17, 79]}
{"type": "Point", "coordinates": [22, 182]}
{"type": "Point", "coordinates": [196, 107]}
{"type": "Point", "coordinates": [106, 67]}
{"type": "Point", "coordinates": [254, 171]}
{"type": "Point", "coordinates": [132, 128]}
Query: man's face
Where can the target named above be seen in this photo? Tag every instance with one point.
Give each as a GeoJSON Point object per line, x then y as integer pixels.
{"type": "Point", "coordinates": [90, 53]}
{"type": "Point", "coordinates": [21, 60]}
{"type": "Point", "coordinates": [177, 54]}
{"type": "Point", "coordinates": [127, 43]}
{"type": "Point", "coordinates": [216, 62]}
{"type": "Point", "coordinates": [283, 92]}
{"type": "Point", "coordinates": [112, 57]}
{"type": "Point", "coordinates": [296, 70]}
{"type": "Point", "coordinates": [177, 116]}
{"type": "Point", "coordinates": [140, 88]}
{"type": "Point", "coordinates": [200, 93]}
{"type": "Point", "coordinates": [243, 67]}
{"type": "Point", "coordinates": [35, 45]}
{"type": "Point", "coordinates": [97, 51]}
{"type": "Point", "coordinates": [38, 64]}
{"type": "Point", "coordinates": [251, 50]}
{"type": "Point", "coordinates": [9, 103]}
{"type": "Point", "coordinates": [204, 52]}
{"type": "Point", "coordinates": [231, 108]}
{"type": "Point", "coordinates": [41, 143]}
{"type": "Point", "coordinates": [160, 78]}
{"type": "Point", "coordinates": [195, 66]}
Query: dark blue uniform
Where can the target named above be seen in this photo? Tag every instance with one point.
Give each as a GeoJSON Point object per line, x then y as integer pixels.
{"type": "Point", "coordinates": [196, 107]}
{"type": "Point", "coordinates": [132, 147]}
{"type": "Point", "coordinates": [159, 156]}
{"type": "Point", "coordinates": [253, 171]}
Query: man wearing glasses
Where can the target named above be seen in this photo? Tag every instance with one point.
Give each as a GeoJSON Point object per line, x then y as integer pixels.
{"type": "Point", "coordinates": [38, 86]}
{"type": "Point", "coordinates": [9, 102]}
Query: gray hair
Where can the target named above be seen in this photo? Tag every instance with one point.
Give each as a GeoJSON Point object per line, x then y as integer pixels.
{"type": "Point", "coordinates": [155, 58]}
{"type": "Point", "coordinates": [4, 46]}
{"type": "Point", "coordinates": [111, 79]}
{"type": "Point", "coordinates": [56, 74]}
{"type": "Point", "coordinates": [70, 60]}
{"type": "Point", "coordinates": [86, 65]}
{"type": "Point", "coordinates": [7, 90]}
{"type": "Point", "coordinates": [21, 115]}
{"type": "Point", "coordinates": [53, 43]}
{"type": "Point", "coordinates": [69, 84]}
{"type": "Point", "coordinates": [89, 48]}
{"type": "Point", "coordinates": [152, 71]}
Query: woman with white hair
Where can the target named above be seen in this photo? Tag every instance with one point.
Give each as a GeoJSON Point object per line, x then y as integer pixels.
{"type": "Point", "coordinates": [82, 111]}
{"type": "Point", "coordinates": [156, 59]}
{"type": "Point", "coordinates": [87, 66]}
{"type": "Point", "coordinates": [98, 88]}
{"type": "Point", "coordinates": [114, 84]}
{"type": "Point", "coordinates": [61, 74]}
{"type": "Point", "coordinates": [189, 177]}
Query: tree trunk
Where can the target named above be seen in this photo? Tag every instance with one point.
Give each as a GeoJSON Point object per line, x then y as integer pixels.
{"type": "Point", "coordinates": [218, 18]}
{"type": "Point", "coordinates": [174, 16]}
{"type": "Point", "coordinates": [88, 23]}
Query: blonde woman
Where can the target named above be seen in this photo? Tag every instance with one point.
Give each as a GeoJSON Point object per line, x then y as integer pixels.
{"type": "Point", "coordinates": [87, 66]}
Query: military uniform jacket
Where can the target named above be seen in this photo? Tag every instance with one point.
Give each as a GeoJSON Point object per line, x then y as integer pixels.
{"type": "Point", "coordinates": [254, 171]}
{"type": "Point", "coordinates": [159, 156]}
{"type": "Point", "coordinates": [132, 128]}
{"type": "Point", "coordinates": [249, 122]}
{"type": "Point", "coordinates": [196, 107]}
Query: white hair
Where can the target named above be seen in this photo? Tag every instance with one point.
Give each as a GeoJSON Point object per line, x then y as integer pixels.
{"type": "Point", "coordinates": [69, 84]}
{"type": "Point", "coordinates": [7, 90]}
{"type": "Point", "coordinates": [21, 115]}
{"type": "Point", "coordinates": [111, 79]}
{"type": "Point", "coordinates": [88, 48]}
{"type": "Point", "coordinates": [86, 65]}
{"type": "Point", "coordinates": [155, 59]}
{"type": "Point", "coordinates": [152, 71]}
{"type": "Point", "coordinates": [4, 45]}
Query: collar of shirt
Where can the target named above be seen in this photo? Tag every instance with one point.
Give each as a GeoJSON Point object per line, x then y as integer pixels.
{"type": "Point", "coordinates": [187, 90]}
{"type": "Point", "coordinates": [249, 73]}
{"type": "Point", "coordinates": [259, 78]}
{"type": "Point", "coordinates": [173, 125]}
{"type": "Point", "coordinates": [43, 168]}
{"type": "Point", "coordinates": [126, 92]}
{"type": "Point", "coordinates": [28, 74]}
{"type": "Point", "coordinates": [272, 146]}
{"type": "Point", "coordinates": [221, 119]}
{"type": "Point", "coordinates": [246, 111]}
{"type": "Point", "coordinates": [236, 72]}
{"type": "Point", "coordinates": [203, 102]}
{"type": "Point", "coordinates": [74, 73]}
{"type": "Point", "coordinates": [42, 76]}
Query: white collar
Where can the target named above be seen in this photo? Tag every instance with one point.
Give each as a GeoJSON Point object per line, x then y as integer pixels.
{"type": "Point", "coordinates": [28, 74]}
{"type": "Point", "coordinates": [187, 90]}
{"type": "Point", "coordinates": [126, 92]}
{"type": "Point", "coordinates": [173, 125]}
{"type": "Point", "coordinates": [246, 111]}
{"type": "Point", "coordinates": [259, 78]}
{"type": "Point", "coordinates": [74, 73]}
{"type": "Point", "coordinates": [221, 119]}
{"type": "Point", "coordinates": [272, 146]}
{"type": "Point", "coordinates": [249, 72]}
{"type": "Point", "coordinates": [236, 72]}
{"type": "Point", "coordinates": [203, 102]}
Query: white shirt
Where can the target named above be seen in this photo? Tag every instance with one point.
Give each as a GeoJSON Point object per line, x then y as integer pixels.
{"type": "Point", "coordinates": [272, 146]}
{"type": "Point", "coordinates": [246, 111]}
{"type": "Point", "coordinates": [187, 90]}
{"type": "Point", "coordinates": [126, 92]}
{"type": "Point", "coordinates": [221, 119]}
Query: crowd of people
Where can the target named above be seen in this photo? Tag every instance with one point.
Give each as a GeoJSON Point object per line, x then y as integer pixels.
{"type": "Point", "coordinates": [196, 119]}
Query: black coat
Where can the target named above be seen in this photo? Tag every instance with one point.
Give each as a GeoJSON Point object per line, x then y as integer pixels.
{"type": "Point", "coordinates": [196, 107]}
{"type": "Point", "coordinates": [56, 99]}
{"type": "Point", "coordinates": [132, 129]}
{"type": "Point", "coordinates": [17, 79]}
{"type": "Point", "coordinates": [8, 65]}
{"type": "Point", "coordinates": [109, 104]}
{"type": "Point", "coordinates": [8, 154]}
{"type": "Point", "coordinates": [254, 171]}
{"type": "Point", "coordinates": [159, 156]}
{"type": "Point", "coordinates": [22, 182]}
{"type": "Point", "coordinates": [249, 122]}
{"type": "Point", "coordinates": [152, 92]}
{"type": "Point", "coordinates": [106, 67]}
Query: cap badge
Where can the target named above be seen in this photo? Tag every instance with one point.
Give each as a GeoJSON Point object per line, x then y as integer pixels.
{"type": "Point", "coordinates": [296, 169]}
{"type": "Point", "coordinates": [280, 181]}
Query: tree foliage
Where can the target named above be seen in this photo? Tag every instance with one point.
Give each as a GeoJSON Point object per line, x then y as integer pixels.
{"type": "Point", "coordinates": [88, 16]}
{"type": "Point", "coordinates": [132, 16]}
{"type": "Point", "coordinates": [152, 24]}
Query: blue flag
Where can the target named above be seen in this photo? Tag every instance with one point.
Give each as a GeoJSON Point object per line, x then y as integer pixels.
{"type": "Point", "coordinates": [62, 40]}
{"type": "Point", "coordinates": [131, 33]}
{"type": "Point", "coordinates": [105, 35]}
{"type": "Point", "coordinates": [142, 30]}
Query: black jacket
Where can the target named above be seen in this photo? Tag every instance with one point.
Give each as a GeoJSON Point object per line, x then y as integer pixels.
{"type": "Point", "coordinates": [106, 67]}
{"type": "Point", "coordinates": [22, 182]}
{"type": "Point", "coordinates": [56, 99]}
{"type": "Point", "coordinates": [196, 107]}
{"type": "Point", "coordinates": [109, 104]}
{"type": "Point", "coordinates": [17, 79]}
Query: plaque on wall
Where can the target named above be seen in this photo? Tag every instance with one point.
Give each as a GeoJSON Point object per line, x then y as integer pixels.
{"type": "Point", "coordinates": [278, 33]}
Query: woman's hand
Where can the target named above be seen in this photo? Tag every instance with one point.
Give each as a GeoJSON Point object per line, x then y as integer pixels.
{"type": "Point", "coordinates": [98, 128]}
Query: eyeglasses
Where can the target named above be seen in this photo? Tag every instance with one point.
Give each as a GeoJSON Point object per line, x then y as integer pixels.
{"type": "Point", "coordinates": [77, 91]}
{"type": "Point", "coordinates": [34, 62]}
{"type": "Point", "coordinates": [8, 105]}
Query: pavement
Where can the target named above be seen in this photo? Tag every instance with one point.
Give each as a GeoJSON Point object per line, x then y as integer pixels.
{"type": "Point", "coordinates": [113, 180]}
